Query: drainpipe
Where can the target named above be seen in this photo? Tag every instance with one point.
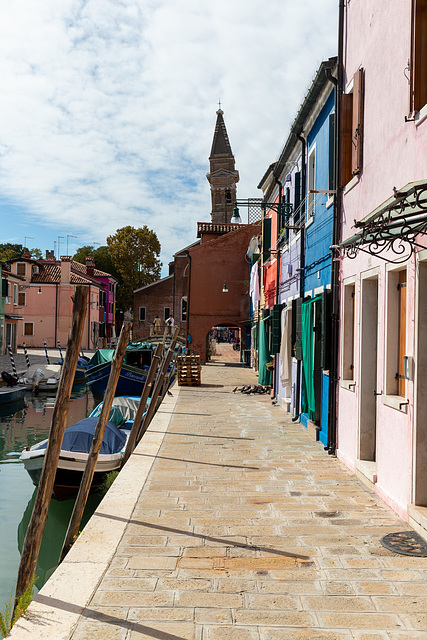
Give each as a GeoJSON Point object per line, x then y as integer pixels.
{"type": "Point", "coordinates": [278, 255]}
{"type": "Point", "coordinates": [302, 264]}
{"type": "Point", "coordinates": [336, 234]}
{"type": "Point", "coordinates": [56, 314]}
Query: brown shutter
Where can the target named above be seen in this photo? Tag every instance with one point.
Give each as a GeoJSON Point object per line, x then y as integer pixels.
{"type": "Point", "coordinates": [357, 129]}
{"type": "Point", "coordinates": [402, 334]}
{"type": "Point", "coordinates": [419, 54]}
{"type": "Point", "coordinates": [346, 143]}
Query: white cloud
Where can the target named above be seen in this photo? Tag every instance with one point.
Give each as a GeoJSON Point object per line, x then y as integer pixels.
{"type": "Point", "coordinates": [107, 108]}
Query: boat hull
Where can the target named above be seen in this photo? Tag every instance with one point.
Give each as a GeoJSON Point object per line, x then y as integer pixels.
{"type": "Point", "coordinates": [131, 380]}
{"type": "Point", "coordinates": [11, 394]}
{"type": "Point", "coordinates": [69, 473]}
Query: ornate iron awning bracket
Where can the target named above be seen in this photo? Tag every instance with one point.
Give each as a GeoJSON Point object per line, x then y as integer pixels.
{"type": "Point", "coordinates": [394, 228]}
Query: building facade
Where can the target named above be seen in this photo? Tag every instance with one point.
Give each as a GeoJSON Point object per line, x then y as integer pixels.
{"type": "Point", "coordinates": [383, 177]}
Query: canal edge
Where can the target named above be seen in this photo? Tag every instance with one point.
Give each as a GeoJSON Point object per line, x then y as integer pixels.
{"type": "Point", "coordinates": [58, 605]}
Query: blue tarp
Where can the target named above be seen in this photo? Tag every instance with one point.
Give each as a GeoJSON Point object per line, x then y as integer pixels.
{"type": "Point", "coordinates": [79, 437]}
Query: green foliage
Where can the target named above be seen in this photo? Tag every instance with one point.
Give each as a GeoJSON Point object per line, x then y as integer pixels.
{"type": "Point", "coordinates": [108, 481]}
{"type": "Point", "coordinates": [82, 253]}
{"type": "Point", "coordinates": [101, 256]}
{"type": "Point", "coordinates": [134, 252]}
{"type": "Point", "coordinates": [7, 619]}
{"type": "Point", "coordinates": [9, 251]}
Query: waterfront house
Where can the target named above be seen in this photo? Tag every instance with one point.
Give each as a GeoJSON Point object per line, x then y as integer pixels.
{"type": "Point", "coordinates": [382, 395]}
{"type": "Point", "coordinates": [40, 301]}
{"type": "Point", "coordinates": [296, 257]}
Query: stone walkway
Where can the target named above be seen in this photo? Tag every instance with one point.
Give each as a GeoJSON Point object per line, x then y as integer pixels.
{"type": "Point", "coordinates": [245, 529]}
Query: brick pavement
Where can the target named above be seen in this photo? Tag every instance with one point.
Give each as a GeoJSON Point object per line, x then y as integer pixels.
{"type": "Point", "coordinates": [245, 529]}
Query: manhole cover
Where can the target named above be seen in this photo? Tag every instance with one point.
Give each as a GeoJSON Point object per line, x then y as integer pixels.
{"type": "Point", "coordinates": [407, 543]}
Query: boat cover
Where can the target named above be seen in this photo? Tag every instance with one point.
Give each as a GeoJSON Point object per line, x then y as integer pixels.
{"type": "Point", "coordinates": [106, 355]}
{"type": "Point", "coordinates": [79, 437]}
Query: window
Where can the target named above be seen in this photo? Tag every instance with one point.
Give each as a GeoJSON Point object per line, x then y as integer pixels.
{"type": "Point", "coordinates": [396, 333]}
{"type": "Point", "coordinates": [311, 183]}
{"type": "Point", "coordinates": [352, 129]}
{"type": "Point", "coordinates": [418, 58]}
{"type": "Point", "coordinates": [9, 292]}
{"type": "Point", "coordinates": [21, 299]}
{"type": "Point", "coordinates": [142, 314]}
{"type": "Point", "coordinates": [348, 332]}
{"type": "Point", "coordinates": [15, 294]}
{"type": "Point", "coordinates": [28, 329]}
{"type": "Point", "coordinates": [266, 238]}
{"type": "Point", "coordinates": [183, 309]}
{"type": "Point", "coordinates": [166, 313]}
{"type": "Point", "coordinates": [21, 269]}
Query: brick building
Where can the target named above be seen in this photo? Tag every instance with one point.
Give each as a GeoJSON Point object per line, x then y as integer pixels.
{"type": "Point", "coordinates": [193, 289]}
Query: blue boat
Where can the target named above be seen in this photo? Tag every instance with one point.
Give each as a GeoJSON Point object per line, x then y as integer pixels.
{"type": "Point", "coordinates": [133, 373]}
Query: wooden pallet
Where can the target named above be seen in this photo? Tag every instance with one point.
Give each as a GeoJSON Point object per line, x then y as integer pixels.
{"type": "Point", "coordinates": [189, 371]}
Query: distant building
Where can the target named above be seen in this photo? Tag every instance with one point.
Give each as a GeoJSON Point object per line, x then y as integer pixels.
{"type": "Point", "coordinates": [39, 301]}
{"type": "Point", "coordinates": [193, 290]}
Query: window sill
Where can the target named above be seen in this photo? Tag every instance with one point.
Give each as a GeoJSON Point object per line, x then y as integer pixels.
{"type": "Point", "coordinates": [330, 202]}
{"type": "Point", "coordinates": [350, 185]}
{"type": "Point", "coordinates": [350, 385]}
{"type": "Point", "coordinates": [395, 402]}
{"type": "Point", "coordinates": [421, 115]}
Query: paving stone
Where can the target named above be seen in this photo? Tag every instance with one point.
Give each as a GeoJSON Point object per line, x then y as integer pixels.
{"type": "Point", "coordinates": [231, 633]}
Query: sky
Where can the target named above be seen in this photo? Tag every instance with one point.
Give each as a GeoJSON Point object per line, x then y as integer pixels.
{"type": "Point", "coordinates": [108, 109]}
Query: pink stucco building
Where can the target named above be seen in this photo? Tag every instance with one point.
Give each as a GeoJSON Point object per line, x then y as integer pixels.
{"type": "Point", "coordinates": [39, 303]}
{"type": "Point", "coordinates": [382, 388]}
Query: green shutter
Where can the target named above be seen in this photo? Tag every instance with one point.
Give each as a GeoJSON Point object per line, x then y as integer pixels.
{"type": "Point", "coordinates": [266, 237]}
{"type": "Point", "coordinates": [297, 196]}
{"type": "Point", "coordinates": [297, 327]}
{"type": "Point", "coordinates": [275, 338]}
{"type": "Point", "coordinates": [325, 340]}
{"type": "Point", "coordinates": [4, 288]}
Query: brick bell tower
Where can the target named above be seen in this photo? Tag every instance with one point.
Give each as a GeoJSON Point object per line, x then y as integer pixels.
{"type": "Point", "coordinates": [223, 176]}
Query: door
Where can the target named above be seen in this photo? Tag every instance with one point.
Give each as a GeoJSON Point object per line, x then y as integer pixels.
{"type": "Point", "coordinates": [11, 337]}
{"type": "Point", "coordinates": [368, 369]}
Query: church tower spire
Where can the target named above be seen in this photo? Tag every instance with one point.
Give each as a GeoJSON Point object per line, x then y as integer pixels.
{"type": "Point", "coordinates": [223, 175]}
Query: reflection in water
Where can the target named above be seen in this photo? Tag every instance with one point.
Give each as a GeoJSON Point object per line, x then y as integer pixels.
{"type": "Point", "coordinates": [54, 533]}
{"type": "Point", "coordinates": [29, 424]}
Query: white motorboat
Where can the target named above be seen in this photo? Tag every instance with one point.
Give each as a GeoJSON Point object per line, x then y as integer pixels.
{"type": "Point", "coordinates": [41, 377]}
{"type": "Point", "coordinates": [76, 446]}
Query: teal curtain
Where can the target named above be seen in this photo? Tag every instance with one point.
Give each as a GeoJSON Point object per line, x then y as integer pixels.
{"type": "Point", "coordinates": [308, 403]}
{"type": "Point", "coordinates": [264, 375]}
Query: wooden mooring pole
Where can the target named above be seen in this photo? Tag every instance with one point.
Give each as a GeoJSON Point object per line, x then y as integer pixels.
{"type": "Point", "coordinates": [141, 407]}
{"type": "Point", "coordinates": [34, 535]}
{"type": "Point", "coordinates": [158, 386]}
{"type": "Point", "coordinates": [79, 506]}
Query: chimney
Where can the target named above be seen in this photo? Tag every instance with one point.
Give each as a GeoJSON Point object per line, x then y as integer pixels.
{"type": "Point", "coordinates": [171, 268]}
{"type": "Point", "coordinates": [65, 269]}
{"type": "Point", "coordinates": [50, 255]}
{"type": "Point", "coordinates": [90, 265]}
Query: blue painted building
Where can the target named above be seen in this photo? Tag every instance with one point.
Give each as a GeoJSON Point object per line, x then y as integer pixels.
{"type": "Point", "coordinates": [303, 178]}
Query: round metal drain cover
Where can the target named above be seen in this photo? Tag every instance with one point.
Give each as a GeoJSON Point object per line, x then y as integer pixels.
{"type": "Point", "coordinates": [407, 543]}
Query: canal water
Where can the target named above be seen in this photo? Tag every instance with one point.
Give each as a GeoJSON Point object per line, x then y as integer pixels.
{"type": "Point", "coordinates": [22, 425]}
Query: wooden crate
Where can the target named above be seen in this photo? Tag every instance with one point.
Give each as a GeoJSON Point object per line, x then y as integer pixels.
{"type": "Point", "coordinates": [189, 371]}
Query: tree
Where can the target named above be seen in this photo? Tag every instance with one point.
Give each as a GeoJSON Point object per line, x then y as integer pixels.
{"type": "Point", "coordinates": [134, 252]}
{"type": "Point", "coordinates": [82, 253]}
{"type": "Point", "coordinates": [8, 251]}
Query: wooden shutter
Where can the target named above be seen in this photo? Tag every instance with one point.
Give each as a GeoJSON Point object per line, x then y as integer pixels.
{"type": "Point", "coordinates": [297, 327]}
{"type": "Point", "coordinates": [4, 288]}
{"type": "Point", "coordinates": [297, 196]}
{"type": "Point", "coordinates": [357, 129]}
{"type": "Point", "coordinates": [325, 338]}
{"type": "Point", "coordinates": [346, 141]}
{"type": "Point", "coordinates": [419, 55]}
{"type": "Point", "coordinates": [275, 338]}
{"type": "Point", "coordinates": [402, 334]}
{"type": "Point", "coordinates": [266, 238]}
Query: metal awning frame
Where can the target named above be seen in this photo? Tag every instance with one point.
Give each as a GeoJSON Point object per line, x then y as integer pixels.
{"type": "Point", "coordinates": [393, 227]}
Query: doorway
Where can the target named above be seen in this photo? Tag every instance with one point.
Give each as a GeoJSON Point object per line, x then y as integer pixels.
{"type": "Point", "coordinates": [11, 336]}
{"type": "Point", "coordinates": [368, 369]}
{"type": "Point", "coordinates": [420, 435]}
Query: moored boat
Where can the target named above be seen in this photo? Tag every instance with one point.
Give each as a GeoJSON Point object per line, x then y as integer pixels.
{"type": "Point", "coordinates": [11, 394]}
{"type": "Point", "coordinates": [41, 377]}
{"type": "Point", "coordinates": [76, 445]}
{"type": "Point", "coordinates": [133, 373]}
